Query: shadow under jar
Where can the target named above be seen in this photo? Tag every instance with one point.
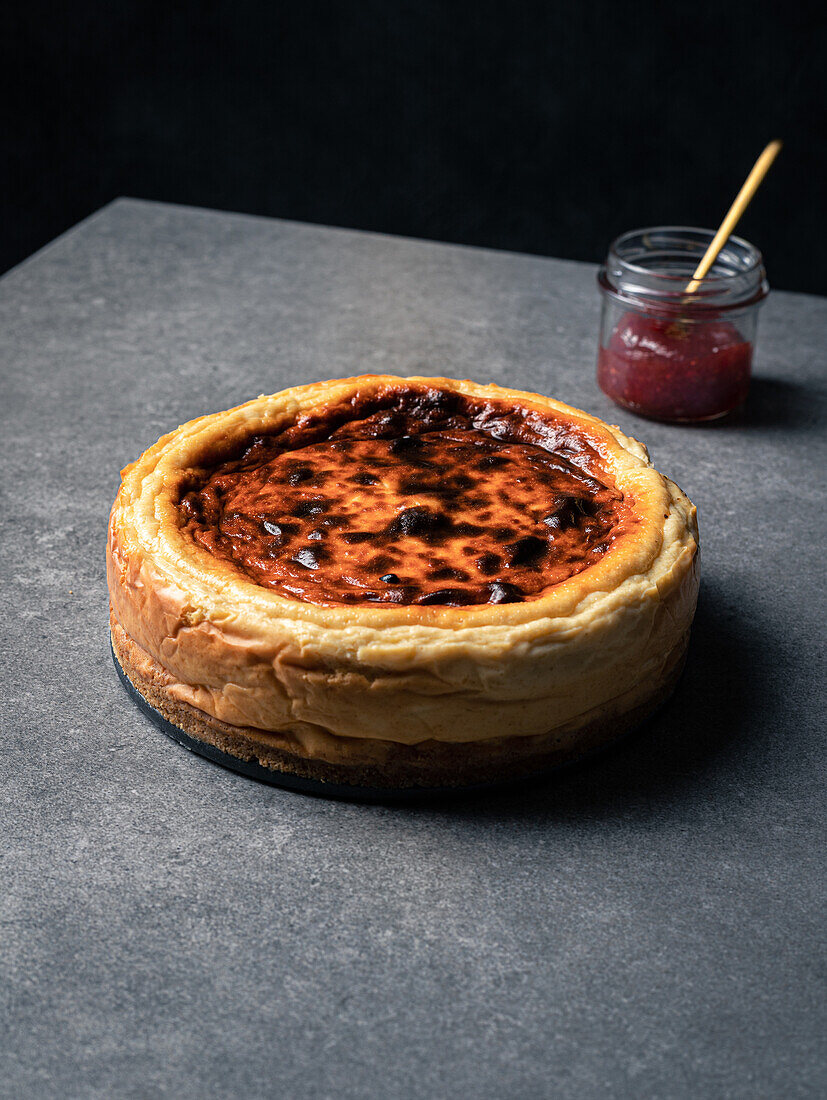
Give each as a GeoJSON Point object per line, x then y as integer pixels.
{"type": "Point", "coordinates": [668, 354]}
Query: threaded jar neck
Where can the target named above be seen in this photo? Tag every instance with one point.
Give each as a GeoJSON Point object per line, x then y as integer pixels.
{"type": "Point", "coordinates": [650, 269]}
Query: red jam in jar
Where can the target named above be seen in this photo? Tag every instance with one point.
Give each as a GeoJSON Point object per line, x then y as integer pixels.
{"type": "Point", "coordinates": [672, 370]}
{"type": "Point", "coordinates": [668, 354]}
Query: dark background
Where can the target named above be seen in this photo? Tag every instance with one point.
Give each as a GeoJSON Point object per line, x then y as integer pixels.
{"type": "Point", "coordinates": [545, 128]}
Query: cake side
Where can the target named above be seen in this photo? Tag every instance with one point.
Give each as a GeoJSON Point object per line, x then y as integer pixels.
{"type": "Point", "coordinates": [367, 763]}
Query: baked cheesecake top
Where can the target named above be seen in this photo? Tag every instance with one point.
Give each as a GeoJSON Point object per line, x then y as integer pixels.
{"type": "Point", "coordinates": [413, 495]}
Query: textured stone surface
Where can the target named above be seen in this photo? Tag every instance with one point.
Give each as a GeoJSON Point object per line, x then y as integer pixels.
{"type": "Point", "coordinates": [649, 925]}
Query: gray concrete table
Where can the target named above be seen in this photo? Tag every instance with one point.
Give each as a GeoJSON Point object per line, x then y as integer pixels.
{"type": "Point", "coordinates": [648, 925]}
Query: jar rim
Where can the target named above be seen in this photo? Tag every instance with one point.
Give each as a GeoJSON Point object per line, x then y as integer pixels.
{"type": "Point", "coordinates": [737, 282]}
{"type": "Point", "coordinates": [755, 258]}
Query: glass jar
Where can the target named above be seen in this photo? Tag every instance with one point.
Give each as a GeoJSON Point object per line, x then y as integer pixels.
{"type": "Point", "coordinates": [672, 355]}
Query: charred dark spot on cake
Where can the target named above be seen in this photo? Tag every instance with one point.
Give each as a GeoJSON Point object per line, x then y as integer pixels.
{"type": "Point", "coordinates": [488, 563]}
{"type": "Point", "coordinates": [418, 521]}
{"type": "Point", "coordinates": [503, 592]}
{"type": "Point", "coordinates": [388, 422]}
{"type": "Point", "coordinates": [457, 490]}
{"type": "Point", "coordinates": [503, 534]}
{"type": "Point", "coordinates": [468, 530]}
{"type": "Point", "coordinates": [380, 563]}
{"type": "Point", "coordinates": [462, 482]}
{"type": "Point", "coordinates": [299, 475]}
{"type": "Point", "coordinates": [430, 405]}
{"type": "Point", "coordinates": [568, 513]}
{"type": "Point", "coordinates": [454, 597]}
{"type": "Point", "coordinates": [525, 551]}
{"type": "Point", "coordinates": [447, 573]}
{"type": "Point", "coordinates": [405, 445]}
{"type": "Point", "coordinates": [307, 508]}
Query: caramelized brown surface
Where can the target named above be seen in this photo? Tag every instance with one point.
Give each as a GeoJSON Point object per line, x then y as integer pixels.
{"type": "Point", "coordinates": [418, 497]}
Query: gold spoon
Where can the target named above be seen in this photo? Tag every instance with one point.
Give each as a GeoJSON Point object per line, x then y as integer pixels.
{"type": "Point", "coordinates": [751, 185]}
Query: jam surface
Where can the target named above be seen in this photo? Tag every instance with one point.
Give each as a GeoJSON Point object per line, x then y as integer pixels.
{"type": "Point", "coordinates": [670, 370]}
{"type": "Point", "coordinates": [417, 496]}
